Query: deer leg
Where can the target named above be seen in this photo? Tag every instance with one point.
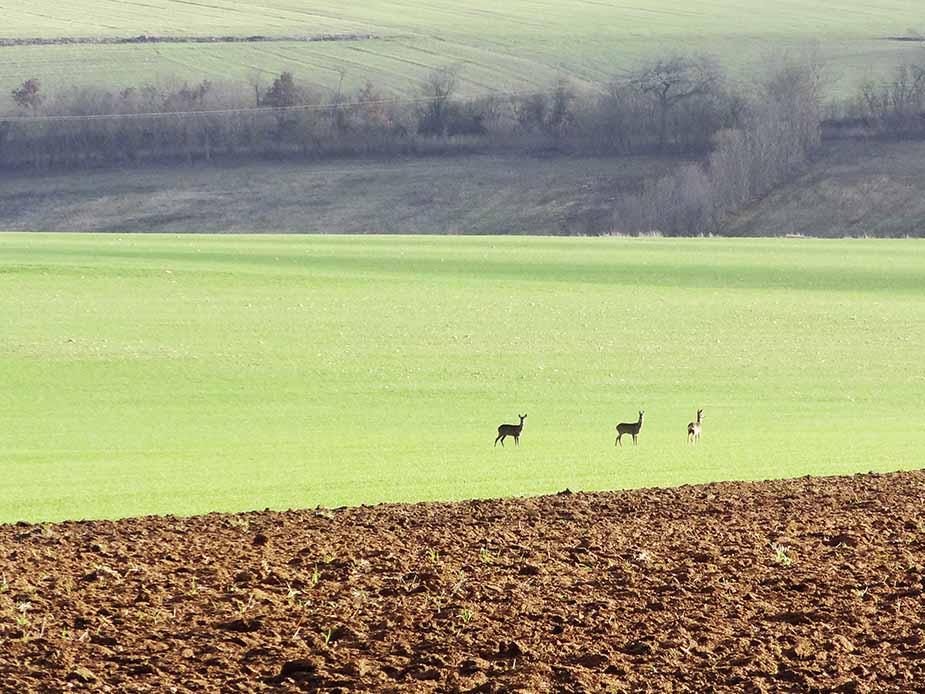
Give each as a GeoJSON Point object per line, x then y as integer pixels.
{"type": "Point", "coordinates": [498, 439]}
{"type": "Point", "coordinates": [619, 440]}
{"type": "Point", "coordinates": [516, 440]}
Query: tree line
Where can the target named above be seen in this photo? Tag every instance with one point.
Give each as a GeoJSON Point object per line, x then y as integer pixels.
{"type": "Point", "coordinates": [740, 140]}
{"type": "Point", "coordinates": [778, 133]}
{"type": "Point", "coordinates": [674, 105]}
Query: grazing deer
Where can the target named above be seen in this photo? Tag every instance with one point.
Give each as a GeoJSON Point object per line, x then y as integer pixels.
{"type": "Point", "coordinates": [632, 428]}
{"type": "Point", "coordinates": [514, 430]}
{"type": "Point", "coordinates": [694, 428]}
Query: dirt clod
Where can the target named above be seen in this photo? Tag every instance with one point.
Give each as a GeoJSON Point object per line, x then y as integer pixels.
{"type": "Point", "coordinates": [674, 590]}
{"type": "Point", "coordinates": [292, 668]}
{"type": "Point", "coordinates": [244, 578]}
{"type": "Point", "coordinates": [242, 626]}
{"type": "Point", "coordinates": [81, 674]}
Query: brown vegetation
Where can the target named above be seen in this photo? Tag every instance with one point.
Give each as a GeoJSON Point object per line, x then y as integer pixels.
{"type": "Point", "coordinates": [853, 188]}
{"type": "Point", "coordinates": [202, 121]}
{"type": "Point", "coordinates": [809, 585]}
{"type": "Point", "coordinates": [740, 141]}
{"type": "Point", "coordinates": [778, 135]}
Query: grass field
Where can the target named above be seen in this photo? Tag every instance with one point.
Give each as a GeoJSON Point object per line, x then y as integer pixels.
{"type": "Point", "coordinates": [153, 374]}
{"type": "Point", "coordinates": [514, 45]}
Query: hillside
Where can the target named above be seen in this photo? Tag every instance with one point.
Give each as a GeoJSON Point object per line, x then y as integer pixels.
{"type": "Point", "coordinates": [514, 45]}
{"type": "Point", "coordinates": [854, 189]}
{"type": "Point", "coordinates": [450, 195]}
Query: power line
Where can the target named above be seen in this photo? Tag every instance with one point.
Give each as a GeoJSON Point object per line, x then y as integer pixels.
{"type": "Point", "coordinates": [258, 109]}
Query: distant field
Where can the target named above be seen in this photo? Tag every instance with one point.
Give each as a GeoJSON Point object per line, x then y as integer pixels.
{"type": "Point", "coordinates": [497, 46]}
{"type": "Point", "coordinates": [153, 374]}
{"type": "Point", "coordinates": [854, 189]}
{"type": "Point", "coordinates": [436, 195]}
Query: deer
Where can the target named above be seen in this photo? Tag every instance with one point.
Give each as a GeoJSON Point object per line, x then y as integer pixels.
{"type": "Point", "coordinates": [632, 428]}
{"type": "Point", "coordinates": [694, 428]}
{"type": "Point", "coordinates": [514, 430]}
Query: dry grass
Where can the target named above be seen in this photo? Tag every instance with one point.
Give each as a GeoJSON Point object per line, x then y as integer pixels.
{"type": "Point", "coordinates": [471, 194]}
{"type": "Point", "coordinates": [856, 189]}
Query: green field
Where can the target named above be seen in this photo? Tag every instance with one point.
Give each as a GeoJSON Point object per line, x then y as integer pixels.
{"type": "Point", "coordinates": [497, 46]}
{"type": "Point", "coordinates": [152, 374]}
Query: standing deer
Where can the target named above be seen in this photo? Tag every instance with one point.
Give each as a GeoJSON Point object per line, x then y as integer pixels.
{"type": "Point", "coordinates": [694, 428]}
{"type": "Point", "coordinates": [632, 428]}
{"type": "Point", "coordinates": [514, 430]}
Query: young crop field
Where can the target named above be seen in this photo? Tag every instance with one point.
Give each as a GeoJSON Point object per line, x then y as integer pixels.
{"type": "Point", "coordinates": [154, 374]}
{"type": "Point", "coordinates": [496, 47]}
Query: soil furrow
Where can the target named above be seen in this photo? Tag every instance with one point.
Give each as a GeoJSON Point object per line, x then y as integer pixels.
{"type": "Point", "coordinates": [804, 585]}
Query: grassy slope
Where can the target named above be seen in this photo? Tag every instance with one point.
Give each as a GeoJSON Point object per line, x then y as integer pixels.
{"type": "Point", "coordinates": [450, 195]}
{"type": "Point", "coordinates": [514, 45]}
{"type": "Point", "coordinates": [154, 373]}
{"type": "Point", "coordinates": [511, 21]}
{"type": "Point", "coordinates": [855, 189]}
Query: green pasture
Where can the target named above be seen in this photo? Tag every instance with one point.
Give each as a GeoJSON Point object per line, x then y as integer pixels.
{"type": "Point", "coordinates": [511, 20]}
{"type": "Point", "coordinates": [182, 374]}
{"type": "Point", "coordinates": [518, 44]}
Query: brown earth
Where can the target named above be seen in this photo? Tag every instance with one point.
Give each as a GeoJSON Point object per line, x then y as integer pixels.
{"type": "Point", "coordinates": [805, 585]}
{"type": "Point", "coordinates": [145, 38]}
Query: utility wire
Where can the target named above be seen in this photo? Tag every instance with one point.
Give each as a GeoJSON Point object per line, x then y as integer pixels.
{"type": "Point", "coordinates": [257, 109]}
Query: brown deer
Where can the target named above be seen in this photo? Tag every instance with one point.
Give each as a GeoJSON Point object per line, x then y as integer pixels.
{"type": "Point", "coordinates": [632, 428]}
{"type": "Point", "coordinates": [514, 430]}
{"type": "Point", "coordinates": [694, 428]}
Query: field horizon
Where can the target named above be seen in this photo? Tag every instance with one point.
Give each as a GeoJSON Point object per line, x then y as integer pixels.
{"type": "Point", "coordinates": [524, 45]}
{"type": "Point", "coordinates": [151, 374]}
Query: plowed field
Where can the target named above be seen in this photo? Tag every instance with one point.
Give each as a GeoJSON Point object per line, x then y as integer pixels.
{"type": "Point", "coordinates": [813, 584]}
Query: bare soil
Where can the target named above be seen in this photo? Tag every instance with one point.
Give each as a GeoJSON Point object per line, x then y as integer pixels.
{"type": "Point", "coordinates": [807, 585]}
{"type": "Point", "coordinates": [146, 38]}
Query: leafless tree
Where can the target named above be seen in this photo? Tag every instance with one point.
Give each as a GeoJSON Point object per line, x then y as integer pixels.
{"type": "Point", "coordinates": [29, 95]}
{"type": "Point", "coordinates": [434, 112]}
{"type": "Point", "coordinates": [668, 82]}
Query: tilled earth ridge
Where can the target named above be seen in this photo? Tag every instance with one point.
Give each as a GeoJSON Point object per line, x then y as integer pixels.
{"type": "Point", "coordinates": [804, 585]}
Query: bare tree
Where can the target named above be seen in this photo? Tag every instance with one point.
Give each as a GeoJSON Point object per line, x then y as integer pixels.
{"type": "Point", "coordinates": [561, 116]}
{"type": "Point", "coordinates": [340, 115]}
{"type": "Point", "coordinates": [283, 95]}
{"type": "Point", "coordinates": [668, 82]}
{"type": "Point", "coordinates": [434, 113]}
{"type": "Point", "coordinates": [29, 95]}
{"type": "Point", "coordinates": [255, 80]}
